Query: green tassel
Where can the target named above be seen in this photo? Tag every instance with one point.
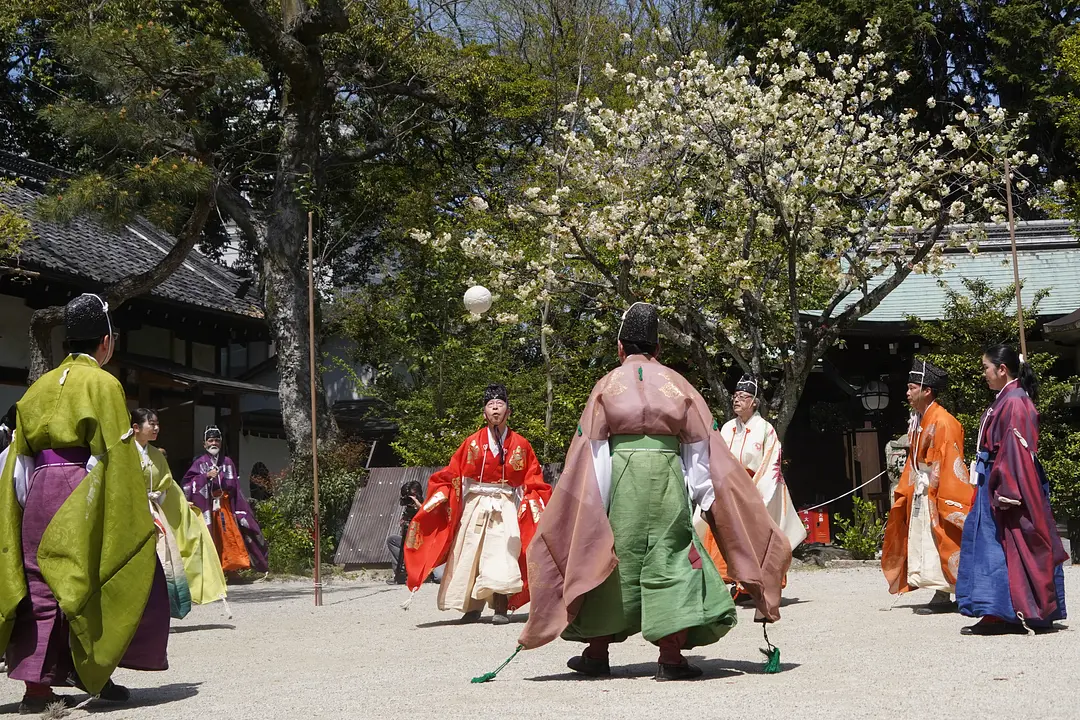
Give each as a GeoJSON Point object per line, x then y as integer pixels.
{"type": "Point", "coordinates": [772, 664]}
{"type": "Point", "coordinates": [491, 675]}
{"type": "Point", "coordinates": [715, 425]}
{"type": "Point", "coordinates": [639, 375]}
{"type": "Point", "coordinates": [579, 430]}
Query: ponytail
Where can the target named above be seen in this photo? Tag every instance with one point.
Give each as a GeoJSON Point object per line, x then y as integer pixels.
{"type": "Point", "coordinates": [1028, 381]}
{"type": "Point", "coordinates": [1021, 371]}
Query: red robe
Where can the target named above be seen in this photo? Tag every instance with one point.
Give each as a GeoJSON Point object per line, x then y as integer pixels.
{"type": "Point", "coordinates": [431, 533]}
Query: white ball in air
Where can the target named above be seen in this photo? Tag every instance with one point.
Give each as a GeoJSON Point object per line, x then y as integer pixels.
{"type": "Point", "coordinates": [477, 300]}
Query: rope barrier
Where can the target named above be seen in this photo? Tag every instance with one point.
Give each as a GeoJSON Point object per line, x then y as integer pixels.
{"type": "Point", "coordinates": [847, 493]}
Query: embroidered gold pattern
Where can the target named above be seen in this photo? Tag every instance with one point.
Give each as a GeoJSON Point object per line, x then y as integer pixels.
{"type": "Point", "coordinates": [434, 501]}
{"type": "Point", "coordinates": [413, 539]}
{"type": "Point", "coordinates": [669, 388]}
{"type": "Point", "coordinates": [517, 459]}
{"type": "Point", "coordinates": [535, 511]}
{"type": "Point", "coordinates": [615, 385]}
{"type": "Point", "coordinates": [474, 452]}
{"type": "Point", "coordinates": [456, 482]}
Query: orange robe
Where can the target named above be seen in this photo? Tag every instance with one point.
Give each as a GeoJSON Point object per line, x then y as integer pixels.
{"type": "Point", "coordinates": [937, 449]}
{"type": "Point", "coordinates": [432, 531]}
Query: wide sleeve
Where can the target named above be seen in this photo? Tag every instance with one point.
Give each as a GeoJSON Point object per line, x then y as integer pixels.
{"type": "Point", "coordinates": [427, 542]}
{"type": "Point", "coordinates": [757, 552]}
{"type": "Point", "coordinates": [1014, 437]}
{"type": "Point", "coordinates": [573, 550]}
{"type": "Point", "coordinates": [954, 492]}
{"type": "Point", "coordinates": [535, 496]}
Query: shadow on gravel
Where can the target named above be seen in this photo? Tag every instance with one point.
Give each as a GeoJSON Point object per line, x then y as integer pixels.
{"type": "Point", "coordinates": [378, 591]}
{"type": "Point", "coordinates": [181, 629]}
{"type": "Point", "coordinates": [715, 669]}
{"type": "Point", "coordinates": [275, 593]}
{"type": "Point", "coordinates": [147, 697]}
{"type": "Point", "coordinates": [518, 619]}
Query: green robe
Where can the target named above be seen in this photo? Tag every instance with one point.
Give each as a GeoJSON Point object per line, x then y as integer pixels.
{"type": "Point", "coordinates": [202, 568]}
{"type": "Point", "coordinates": [98, 553]}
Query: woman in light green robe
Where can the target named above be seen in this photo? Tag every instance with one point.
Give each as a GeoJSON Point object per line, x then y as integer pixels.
{"type": "Point", "coordinates": [205, 581]}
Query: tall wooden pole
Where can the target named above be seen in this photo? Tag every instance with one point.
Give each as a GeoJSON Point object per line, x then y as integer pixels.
{"type": "Point", "coordinates": [314, 434]}
{"type": "Point", "coordinates": [1015, 261]}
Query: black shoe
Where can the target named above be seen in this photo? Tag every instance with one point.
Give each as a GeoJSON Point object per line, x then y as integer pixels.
{"type": "Point", "coordinates": [38, 705]}
{"type": "Point", "coordinates": [470, 617]}
{"type": "Point", "coordinates": [685, 671]}
{"type": "Point", "coordinates": [500, 619]}
{"type": "Point", "coordinates": [937, 609]}
{"type": "Point", "coordinates": [114, 693]}
{"type": "Point", "coordinates": [589, 666]}
{"type": "Point", "coordinates": [110, 692]}
{"type": "Point", "coordinates": [1000, 628]}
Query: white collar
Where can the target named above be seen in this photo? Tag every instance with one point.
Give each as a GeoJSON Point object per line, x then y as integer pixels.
{"type": "Point", "coordinates": [493, 443]}
{"type": "Point", "coordinates": [87, 356]}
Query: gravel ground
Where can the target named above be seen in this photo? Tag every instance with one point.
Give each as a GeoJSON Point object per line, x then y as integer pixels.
{"type": "Point", "coordinates": [360, 655]}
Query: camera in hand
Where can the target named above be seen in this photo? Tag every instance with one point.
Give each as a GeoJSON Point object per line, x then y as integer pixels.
{"type": "Point", "coordinates": [410, 500]}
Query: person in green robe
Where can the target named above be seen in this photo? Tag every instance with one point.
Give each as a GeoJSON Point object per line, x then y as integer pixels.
{"type": "Point", "coordinates": [616, 553]}
{"type": "Point", "coordinates": [185, 548]}
{"type": "Point", "coordinates": [81, 590]}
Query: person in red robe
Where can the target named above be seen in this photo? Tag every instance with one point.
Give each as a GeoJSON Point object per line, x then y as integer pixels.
{"type": "Point", "coordinates": [479, 515]}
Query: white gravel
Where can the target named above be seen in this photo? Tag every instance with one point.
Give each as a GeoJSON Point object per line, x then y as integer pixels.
{"type": "Point", "coordinates": [360, 655]}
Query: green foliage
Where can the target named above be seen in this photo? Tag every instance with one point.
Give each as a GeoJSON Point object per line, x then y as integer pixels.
{"type": "Point", "coordinates": [14, 228]}
{"type": "Point", "coordinates": [434, 361]}
{"type": "Point", "coordinates": [287, 518]}
{"type": "Point", "coordinates": [976, 318]}
{"type": "Point", "coordinates": [863, 534]}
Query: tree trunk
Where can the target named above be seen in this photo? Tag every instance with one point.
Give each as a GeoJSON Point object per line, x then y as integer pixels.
{"type": "Point", "coordinates": [285, 278]}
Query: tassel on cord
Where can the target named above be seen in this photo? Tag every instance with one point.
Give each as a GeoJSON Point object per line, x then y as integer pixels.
{"type": "Point", "coordinates": [772, 663]}
{"type": "Point", "coordinates": [405, 605]}
{"type": "Point", "coordinates": [491, 675]}
{"type": "Point", "coordinates": [228, 610]}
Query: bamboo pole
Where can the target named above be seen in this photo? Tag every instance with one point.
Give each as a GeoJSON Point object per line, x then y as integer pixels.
{"type": "Point", "coordinates": [314, 433]}
{"type": "Point", "coordinates": [1015, 262]}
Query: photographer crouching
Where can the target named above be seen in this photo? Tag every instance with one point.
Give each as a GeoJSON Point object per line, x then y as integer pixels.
{"type": "Point", "coordinates": [411, 501]}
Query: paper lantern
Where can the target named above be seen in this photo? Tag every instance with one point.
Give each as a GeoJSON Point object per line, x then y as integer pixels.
{"type": "Point", "coordinates": [477, 300]}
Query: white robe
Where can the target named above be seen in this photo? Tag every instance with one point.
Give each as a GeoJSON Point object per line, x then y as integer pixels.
{"type": "Point", "coordinates": [757, 447]}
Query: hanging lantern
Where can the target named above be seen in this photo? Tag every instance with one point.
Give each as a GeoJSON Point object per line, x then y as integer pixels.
{"type": "Point", "coordinates": [875, 396]}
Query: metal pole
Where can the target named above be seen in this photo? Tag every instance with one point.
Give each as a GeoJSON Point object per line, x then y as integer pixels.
{"type": "Point", "coordinates": [314, 434]}
{"type": "Point", "coordinates": [1015, 261]}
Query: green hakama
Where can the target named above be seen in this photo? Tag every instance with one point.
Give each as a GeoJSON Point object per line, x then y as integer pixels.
{"type": "Point", "coordinates": [655, 589]}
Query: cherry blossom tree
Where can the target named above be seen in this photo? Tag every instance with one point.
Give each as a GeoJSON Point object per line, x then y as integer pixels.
{"type": "Point", "coordinates": [765, 205]}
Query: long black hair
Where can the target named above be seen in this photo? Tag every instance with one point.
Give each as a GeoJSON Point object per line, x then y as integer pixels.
{"type": "Point", "coordinates": [1007, 356]}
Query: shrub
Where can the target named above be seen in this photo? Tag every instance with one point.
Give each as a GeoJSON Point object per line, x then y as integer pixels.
{"type": "Point", "coordinates": [287, 517]}
{"type": "Point", "coordinates": [863, 534]}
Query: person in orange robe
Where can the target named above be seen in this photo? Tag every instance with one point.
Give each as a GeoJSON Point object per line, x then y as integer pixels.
{"type": "Point", "coordinates": [480, 514]}
{"type": "Point", "coordinates": [931, 501]}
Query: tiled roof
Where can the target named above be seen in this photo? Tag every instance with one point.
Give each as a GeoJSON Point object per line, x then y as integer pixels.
{"type": "Point", "coordinates": [93, 254]}
{"type": "Point", "coordinates": [1049, 258]}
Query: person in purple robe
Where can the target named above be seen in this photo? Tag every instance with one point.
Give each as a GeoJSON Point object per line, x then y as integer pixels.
{"type": "Point", "coordinates": [213, 476]}
{"type": "Point", "coordinates": [81, 588]}
{"type": "Point", "coordinates": [1010, 573]}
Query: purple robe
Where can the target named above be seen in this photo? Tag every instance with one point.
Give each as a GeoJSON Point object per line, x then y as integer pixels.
{"type": "Point", "coordinates": [1011, 554]}
{"type": "Point", "coordinates": [200, 489]}
{"type": "Point", "coordinates": [39, 651]}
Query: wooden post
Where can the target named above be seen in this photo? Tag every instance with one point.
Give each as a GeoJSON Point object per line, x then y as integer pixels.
{"type": "Point", "coordinates": [1015, 262]}
{"type": "Point", "coordinates": [314, 434]}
